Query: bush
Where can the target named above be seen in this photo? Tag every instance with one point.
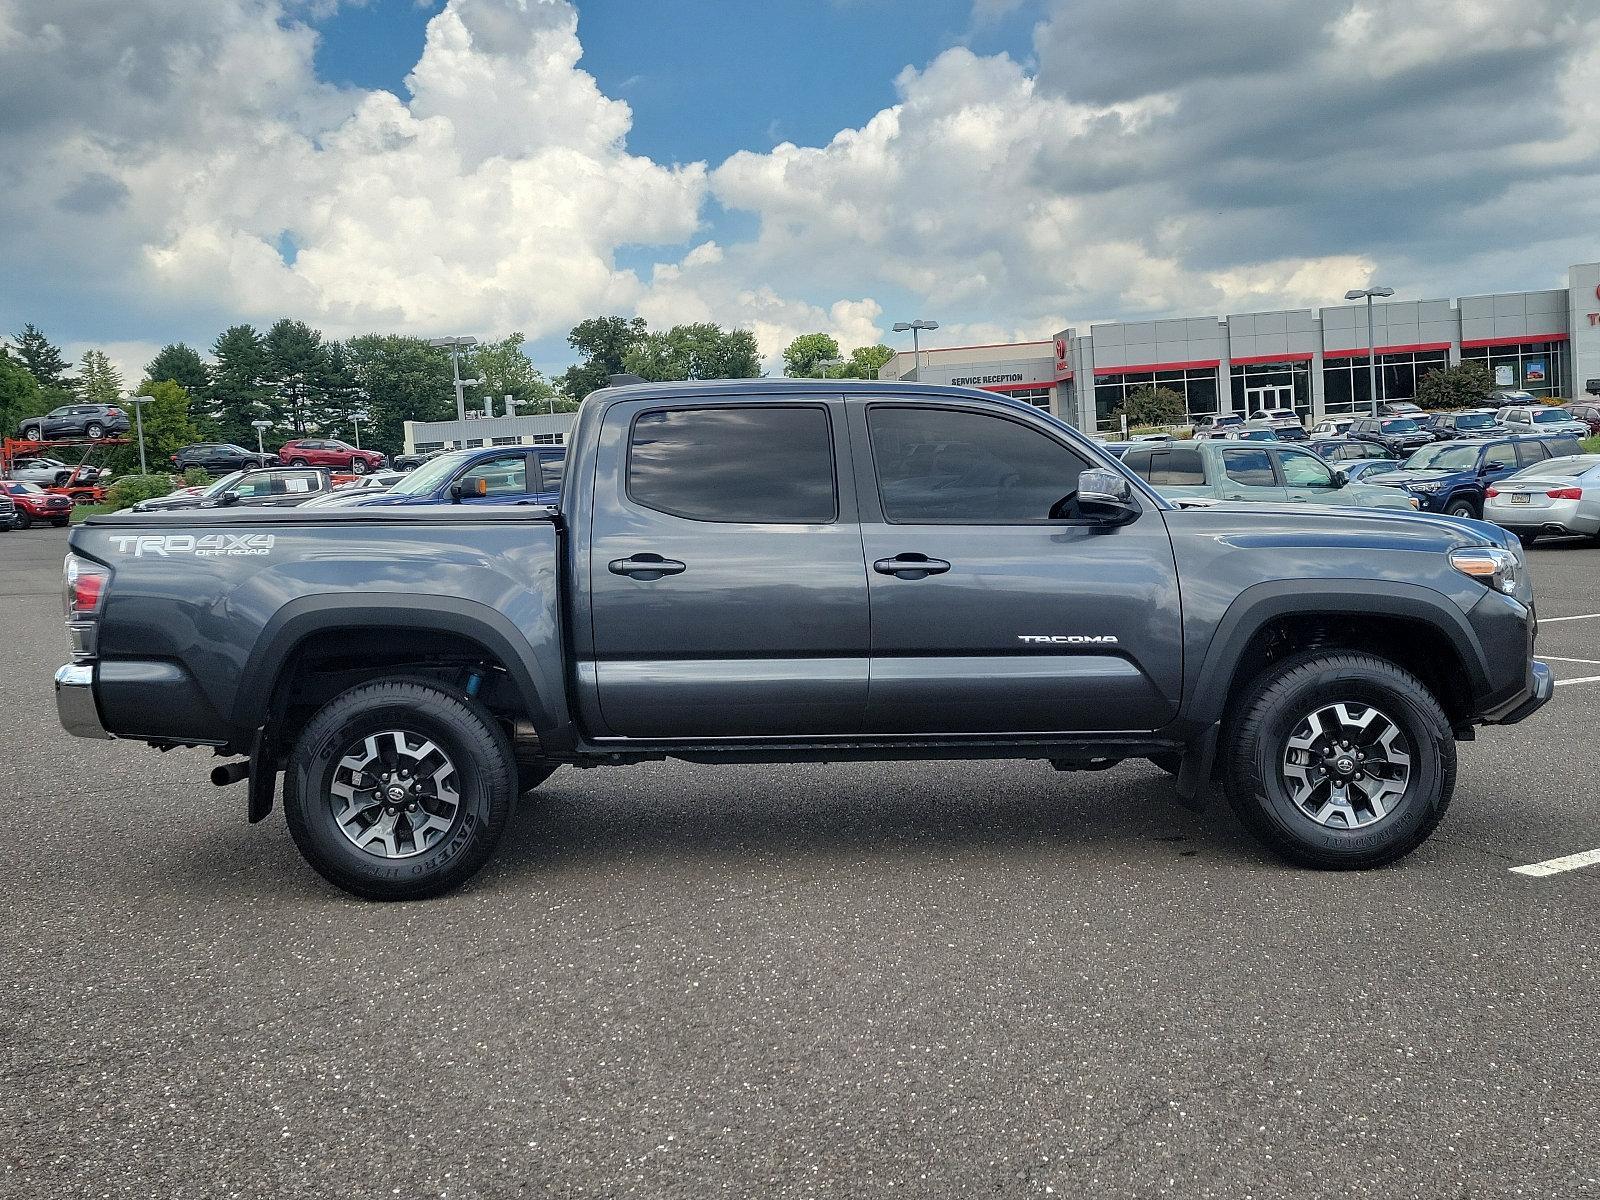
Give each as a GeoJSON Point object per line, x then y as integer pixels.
{"type": "Point", "coordinates": [1152, 406]}
{"type": "Point", "coordinates": [1465, 385]}
{"type": "Point", "coordinates": [130, 489]}
{"type": "Point", "coordinates": [196, 477]}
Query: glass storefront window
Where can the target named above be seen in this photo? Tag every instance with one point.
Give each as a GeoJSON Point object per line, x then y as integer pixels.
{"type": "Point", "coordinates": [1346, 386]}
{"type": "Point", "coordinates": [1197, 386]}
{"type": "Point", "coordinates": [1536, 367]}
{"type": "Point", "coordinates": [1271, 385]}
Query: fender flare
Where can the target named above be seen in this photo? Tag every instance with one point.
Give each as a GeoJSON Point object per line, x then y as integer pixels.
{"type": "Point", "coordinates": [1261, 603]}
{"type": "Point", "coordinates": [300, 619]}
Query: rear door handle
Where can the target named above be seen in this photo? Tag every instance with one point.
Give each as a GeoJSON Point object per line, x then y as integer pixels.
{"type": "Point", "coordinates": [646, 566]}
{"type": "Point", "coordinates": [910, 566]}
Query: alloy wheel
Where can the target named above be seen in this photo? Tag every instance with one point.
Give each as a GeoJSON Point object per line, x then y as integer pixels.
{"type": "Point", "coordinates": [395, 794]}
{"type": "Point", "coordinates": [1346, 765]}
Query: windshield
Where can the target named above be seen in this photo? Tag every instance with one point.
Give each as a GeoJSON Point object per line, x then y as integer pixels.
{"type": "Point", "coordinates": [430, 474]}
{"type": "Point", "coordinates": [223, 484]}
{"type": "Point", "coordinates": [1475, 421]}
{"type": "Point", "coordinates": [1549, 416]}
{"type": "Point", "coordinates": [1444, 456]}
{"type": "Point", "coordinates": [1400, 425]}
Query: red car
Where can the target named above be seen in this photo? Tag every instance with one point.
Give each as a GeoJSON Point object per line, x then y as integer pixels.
{"type": "Point", "coordinates": [326, 452]}
{"type": "Point", "coordinates": [35, 504]}
{"type": "Point", "coordinates": [1587, 413]}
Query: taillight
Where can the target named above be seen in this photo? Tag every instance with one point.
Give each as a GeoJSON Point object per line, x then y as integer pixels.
{"type": "Point", "coordinates": [1492, 493]}
{"type": "Point", "coordinates": [1566, 493]}
{"type": "Point", "coordinates": [113, 412]}
{"type": "Point", "coordinates": [85, 587]}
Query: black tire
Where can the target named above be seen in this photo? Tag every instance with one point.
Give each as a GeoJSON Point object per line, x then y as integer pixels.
{"type": "Point", "coordinates": [60, 522]}
{"type": "Point", "coordinates": [1282, 697]}
{"type": "Point", "coordinates": [358, 466]}
{"type": "Point", "coordinates": [24, 520]}
{"type": "Point", "coordinates": [1527, 539]}
{"type": "Point", "coordinates": [1170, 763]}
{"type": "Point", "coordinates": [298, 462]}
{"type": "Point", "coordinates": [1462, 508]}
{"type": "Point", "coordinates": [485, 771]}
{"type": "Point", "coordinates": [94, 431]}
{"type": "Point", "coordinates": [31, 433]}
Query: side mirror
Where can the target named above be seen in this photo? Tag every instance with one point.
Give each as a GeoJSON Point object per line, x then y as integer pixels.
{"type": "Point", "coordinates": [1106, 496]}
{"type": "Point", "coordinates": [228, 498]}
{"type": "Point", "coordinates": [1494, 464]}
{"type": "Point", "coordinates": [1341, 478]}
{"type": "Point", "coordinates": [462, 488]}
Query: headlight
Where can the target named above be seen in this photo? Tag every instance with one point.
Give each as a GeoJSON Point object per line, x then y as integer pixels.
{"type": "Point", "coordinates": [1429, 488]}
{"type": "Point", "coordinates": [1491, 565]}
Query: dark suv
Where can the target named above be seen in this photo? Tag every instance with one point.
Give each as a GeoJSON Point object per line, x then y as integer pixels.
{"type": "Point", "coordinates": [75, 420]}
{"type": "Point", "coordinates": [1473, 422]}
{"type": "Point", "coordinates": [1450, 477]}
{"type": "Point", "coordinates": [1398, 435]}
{"type": "Point", "coordinates": [218, 457]}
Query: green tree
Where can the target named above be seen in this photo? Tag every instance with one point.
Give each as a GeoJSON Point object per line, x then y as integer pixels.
{"type": "Point", "coordinates": [20, 394]}
{"type": "Point", "coordinates": [506, 371]}
{"type": "Point", "coordinates": [1151, 406]}
{"type": "Point", "coordinates": [183, 365]}
{"type": "Point", "coordinates": [1464, 385]}
{"type": "Point", "coordinates": [698, 351]}
{"type": "Point", "coordinates": [168, 423]}
{"type": "Point", "coordinates": [864, 362]}
{"type": "Point", "coordinates": [401, 379]}
{"type": "Point", "coordinates": [604, 343]}
{"type": "Point", "coordinates": [43, 359]}
{"type": "Point", "coordinates": [344, 406]}
{"type": "Point", "coordinates": [238, 393]}
{"type": "Point", "coordinates": [297, 369]}
{"type": "Point", "coordinates": [98, 381]}
{"type": "Point", "coordinates": [801, 356]}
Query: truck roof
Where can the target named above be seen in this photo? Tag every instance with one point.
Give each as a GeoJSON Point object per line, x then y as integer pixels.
{"type": "Point", "coordinates": [779, 389]}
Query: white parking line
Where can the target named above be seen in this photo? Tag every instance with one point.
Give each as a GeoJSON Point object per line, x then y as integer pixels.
{"type": "Point", "coordinates": [1554, 866]}
{"type": "Point", "coordinates": [1557, 658]}
{"type": "Point", "coordinates": [1585, 679]}
{"type": "Point", "coordinates": [1582, 617]}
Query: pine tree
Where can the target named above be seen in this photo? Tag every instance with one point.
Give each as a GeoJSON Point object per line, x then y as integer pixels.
{"type": "Point", "coordinates": [297, 367]}
{"type": "Point", "coordinates": [238, 393]}
{"type": "Point", "coordinates": [42, 358]}
{"type": "Point", "coordinates": [98, 381]}
{"type": "Point", "coordinates": [343, 405]}
{"type": "Point", "coordinates": [183, 365]}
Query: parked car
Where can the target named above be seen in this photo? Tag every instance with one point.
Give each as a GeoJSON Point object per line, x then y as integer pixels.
{"type": "Point", "coordinates": [264, 487]}
{"type": "Point", "coordinates": [1398, 435]}
{"type": "Point", "coordinates": [489, 475]}
{"type": "Point", "coordinates": [345, 497]}
{"type": "Point", "coordinates": [75, 421]}
{"type": "Point", "coordinates": [378, 481]}
{"type": "Point", "coordinates": [1558, 496]}
{"type": "Point", "coordinates": [8, 512]}
{"type": "Point", "coordinates": [1343, 451]}
{"type": "Point", "coordinates": [1248, 434]}
{"type": "Point", "coordinates": [729, 571]}
{"type": "Point", "coordinates": [1400, 408]}
{"type": "Point", "coordinates": [1470, 422]}
{"type": "Point", "coordinates": [1589, 414]}
{"type": "Point", "coordinates": [410, 462]}
{"type": "Point", "coordinates": [1367, 470]}
{"type": "Point", "coordinates": [1279, 431]}
{"type": "Point", "coordinates": [1501, 397]}
{"type": "Point", "coordinates": [43, 471]}
{"type": "Point", "coordinates": [1225, 425]}
{"type": "Point", "coordinates": [1332, 427]}
{"type": "Point", "coordinates": [1451, 477]}
{"type": "Point", "coordinates": [33, 503]}
{"type": "Point", "coordinates": [1284, 420]}
{"type": "Point", "coordinates": [220, 457]}
{"type": "Point", "coordinates": [1540, 419]}
{"type": "Point", "coordinates": [330, 453]}
{"type": "Point", "coordinates": [1233, 470]}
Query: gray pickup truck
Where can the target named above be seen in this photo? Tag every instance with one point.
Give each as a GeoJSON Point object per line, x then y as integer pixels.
{"type": "Point", "coordinates": [777, 571]}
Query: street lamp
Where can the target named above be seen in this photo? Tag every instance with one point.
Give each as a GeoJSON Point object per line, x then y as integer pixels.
{"type": "Point", "coordinates": [138, 403]}
{"type": "Point", "coordinates": [355, 418]}
{"type": "Point", "coordinates": [825, 365]}
{"type": "Point", "coordinates": [916, 346]}
{"type": "Point", "coordinates": [456, 345]}
{"type": "Point", "coordinates": [1372, 348]}
{"type": "Point", "coordinates": [260, 427]}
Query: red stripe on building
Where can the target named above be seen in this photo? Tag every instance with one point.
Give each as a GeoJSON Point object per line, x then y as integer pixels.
{"type": "Point", "coordinates": [1522, 340]}
{"type": "Point", "coordinates": [1361, 351]}
{"type": "Point", "coordinates": [1130, 368]}
{"type": "Point", "coordinates": [1297, 356]}
{"type": "Point", "coordinates": [1015, 387]}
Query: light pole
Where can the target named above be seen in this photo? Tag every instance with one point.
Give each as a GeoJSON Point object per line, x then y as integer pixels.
{"type": "Point", "coordinates": [916, 345]}
{"type": "Point", "coordinates": [260, 427]}
{"type": "Point", "coordinates": [1372, 347]}
{"type": "Point", "coordinates": [456, 345]}
{"type": "Point", "coordinates": [138, 403]}
{"type": "Point", "coordinates": [825, 365]}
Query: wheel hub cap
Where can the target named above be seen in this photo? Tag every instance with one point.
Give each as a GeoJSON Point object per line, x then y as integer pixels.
{"type": "Point", "coordinates": [394, 794]}
{"type": "Point", "coordinates": [1346, 765]}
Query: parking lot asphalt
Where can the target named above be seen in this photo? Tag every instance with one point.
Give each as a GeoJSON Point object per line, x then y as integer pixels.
{"type": "Point", "coordinates": [928, 979]}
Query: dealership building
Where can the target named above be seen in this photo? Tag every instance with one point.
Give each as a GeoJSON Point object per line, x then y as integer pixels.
{"type": "Point", "coordinates": [1315, 360]}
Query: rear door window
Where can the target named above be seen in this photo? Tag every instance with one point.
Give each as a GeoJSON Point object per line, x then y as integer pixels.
{"type": "Point", "coordinates": [551, 468]}
{"type": "Point", "coordinates": [1250, 467]}
{"type": "Point", "coordinates": [1176, 468]}
{"type": "Point", "coordinates": [761, 464]}
{"type": "Point", "coordinates": [1529, 453]}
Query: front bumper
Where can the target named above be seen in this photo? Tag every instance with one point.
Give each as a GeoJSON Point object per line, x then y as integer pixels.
{"type": "Point", "coordinates": [75, 702]}
{"type": "Point", "coordinates": [1544, 686]}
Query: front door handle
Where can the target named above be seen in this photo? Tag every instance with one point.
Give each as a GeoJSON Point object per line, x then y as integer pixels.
{"type": "Point", "coordinates": [646, 566]}
{"type": "Point", "coordinates": [911, 566]}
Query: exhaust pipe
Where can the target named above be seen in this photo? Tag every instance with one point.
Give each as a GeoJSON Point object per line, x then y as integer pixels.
{"type": "Point", "coordinates": [230, 772]}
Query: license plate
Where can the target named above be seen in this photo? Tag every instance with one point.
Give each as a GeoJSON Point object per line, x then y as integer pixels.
{"type": "Point", "coordinates": [1519, 497]}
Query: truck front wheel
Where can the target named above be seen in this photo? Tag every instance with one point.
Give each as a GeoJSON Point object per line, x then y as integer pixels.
{"type": "Point", "coordinates": [399, 789]}
{"type": "Point", "coordinates": [1339, 759]}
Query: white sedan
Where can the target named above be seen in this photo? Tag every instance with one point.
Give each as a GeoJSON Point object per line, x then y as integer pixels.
{"type": "Point", "coordinates": [1560, 495]}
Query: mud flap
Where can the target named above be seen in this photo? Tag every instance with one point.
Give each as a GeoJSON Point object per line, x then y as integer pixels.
{"type": "Point", "coordinates": [1194, 775]}
{"type": "Point", "coordinates": [263, 777]}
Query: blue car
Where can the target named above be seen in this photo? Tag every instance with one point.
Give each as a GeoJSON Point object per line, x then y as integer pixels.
{"type": "Point", "coordinates": [491, 475]}
{"type": "Point", "coordinates": [1451, 477]}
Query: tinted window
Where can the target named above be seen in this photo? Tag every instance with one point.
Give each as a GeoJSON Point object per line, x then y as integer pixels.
{"type": "Point", "coordinates": [734, 464]}
{"type": "Point", "coordinates": [550, 471]}
{"type": "Point", "coordinates": [1304, 470]}
{"type": "Point", "coordinates": [1253, 467]}
{"type": "Point", "coordinates": [1176, 468]}
{"type": "Point", "coordinates": [504, 475]}
{"type": "Point", "coordinates": [1502, 452]}
{"type": "Point", "coordinates": [943, 465]}
{"type": "Point", "coordinates": [1531, 452]}
{"type": "Point", "coordinates": [1400, 425]}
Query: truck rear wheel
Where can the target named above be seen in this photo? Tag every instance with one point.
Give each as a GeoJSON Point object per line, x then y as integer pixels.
{"type": "Point", "coordinates": [1340, 760]}
{"type": "Point", "coordinates": [399, 789]}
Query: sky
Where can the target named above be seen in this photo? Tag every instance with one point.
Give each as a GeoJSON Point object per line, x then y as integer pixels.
{"type": "Point", "coordinates": [1006, 167]}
